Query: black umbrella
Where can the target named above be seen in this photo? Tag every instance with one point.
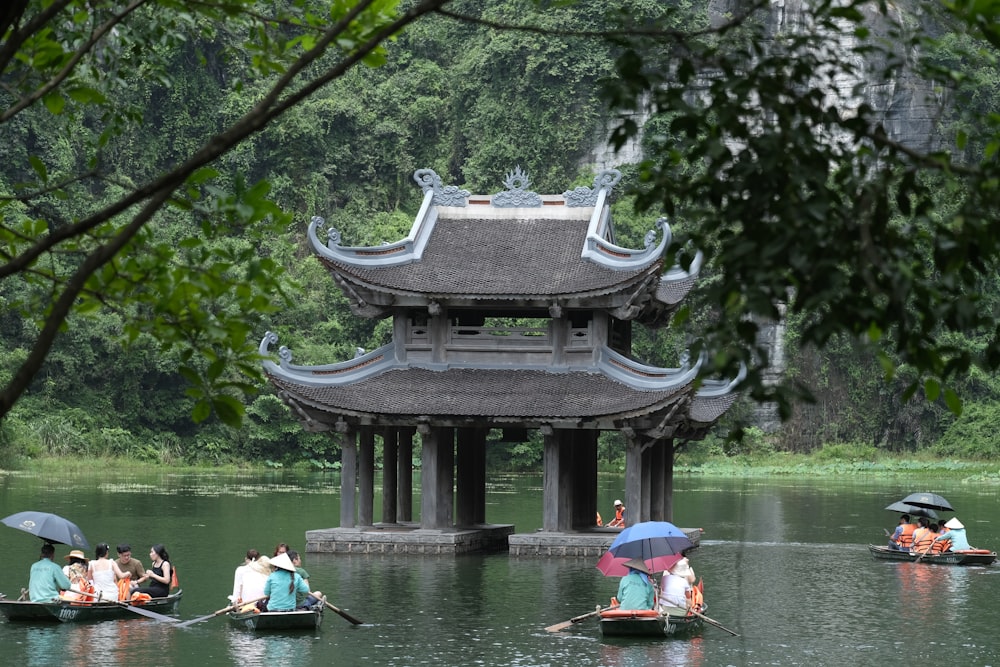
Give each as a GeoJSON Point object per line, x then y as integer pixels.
{"type": "Point", "coordinates": [931, 501]}
{"type": "Point", "coordinates": [912, 510]}
{"type": "Point", "coordinates": [49, 527]}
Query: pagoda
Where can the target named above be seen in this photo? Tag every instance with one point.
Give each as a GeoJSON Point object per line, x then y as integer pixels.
{"type": "Point", "coordinates": [510, 311]}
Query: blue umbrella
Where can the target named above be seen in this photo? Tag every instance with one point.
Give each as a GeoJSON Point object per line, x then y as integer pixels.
{"type": "Point", "coordinates": [650, 539]}
{"type": "Point", "coordinates": [50, 527]}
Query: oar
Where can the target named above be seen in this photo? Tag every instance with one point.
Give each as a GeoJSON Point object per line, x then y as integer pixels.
{"type": "Point", "coordinates": [235, 605]}
{"type": "Point", "coordinates": [576, 619]}
{"type": "Point", "coordinates": [343, 613]}
{"type": "Point", "coordinates": [713, 622]}
{"type": "Point", "coordinates": [133, 608]}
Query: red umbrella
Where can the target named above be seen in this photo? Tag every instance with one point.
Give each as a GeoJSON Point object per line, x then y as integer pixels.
{"type": "Point", "coordinates": [613, 566]}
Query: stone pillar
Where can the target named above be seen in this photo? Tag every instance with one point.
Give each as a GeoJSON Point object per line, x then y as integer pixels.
{"type": "Point", "coordinates": [366, 476]}
{"type": "Point", "coordinates": [348, 474]}
{"type": "Point", "coordinates": [668, 480]}
{"type": "Point", "coordinates": [470, 480]}
{"type": "Point", "coordinates": [437, 478]}
{"type": "Point", "coordinates": [657, 505]}
{"type": "Point", "coordinates": [550, 480]}
{"type": "Point", "coordinates": [390, 470]}
{"type": "Point", "coordinates": [584, 496]}
{"type": "Point", "coordinates": [404, 475]}
{"type": "Point", "coordinates": [633, 478]}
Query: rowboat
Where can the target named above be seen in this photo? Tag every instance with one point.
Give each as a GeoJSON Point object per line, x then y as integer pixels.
{"type": "Point", "coordinates": [965, 557]}
{"type": "Point", "coordinates": [63, 611]}
{"type": "Point", "coordinates": [277, 621]}
{"type": "Point", "coordinates": [667, 622]}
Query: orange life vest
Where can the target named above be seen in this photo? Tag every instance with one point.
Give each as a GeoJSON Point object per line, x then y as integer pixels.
{"type": "Point", "coordinates": [697, 597]}
{"type": "Point", "coordinates": [922, 539]}
{"type": "Point", "coordinates": [125, 588]}
{"type": "Point", "coordinates": [906, 537]}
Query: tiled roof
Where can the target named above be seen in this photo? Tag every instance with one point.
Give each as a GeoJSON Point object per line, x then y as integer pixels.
{"type": "Point", "coordinates": [496, 257]}
{"type": "Point", "coordinates": [476, 393]}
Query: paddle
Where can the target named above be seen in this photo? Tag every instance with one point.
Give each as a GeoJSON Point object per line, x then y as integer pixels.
{"type": "Point", "coordinates": [133, 608]}
{"type": "Point", "coordinates": [342, 613]}
{"type": "Point", "coordinates": [576, 619]}
{"type": "Point", "coordinates": [711, 621]}
{"type": "Point", "coordinates": [235, 605]}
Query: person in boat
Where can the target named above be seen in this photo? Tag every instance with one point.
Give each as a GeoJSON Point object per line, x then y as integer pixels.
{"type": "Point", "coordinates": [280, 549]}
{"type": "Point", "coordinates": [47, 579]}
{"type": "Point", "coordinates": [158, 575]}
{"type": "Point", "coordinates": [77, 571]}
{"type": "Point", "coordinates": [131, 567]}
{"type": "Point", "coordinates": [956, 535]}
{"type": "Point", "coordinates": [301, 601]}
{"type": "Point", "coordinates": [902, 537]}
{"type": "Point", "coordinates": [923, 536]}
{"type": "Point", "coordinates": [254, 580]}
{"type": "Point", "coordinates": [676, 584]}
{"type": "Point", "coordinates": [619, 520]}
{"type": "Point", "coordinates": [104, 573]}
{"type": "Point", "coordinates": [284, 585]}
{"type": "Point", "coordinates": [241, 570]}
{"type": "Point", "coordinates": [636, 591]}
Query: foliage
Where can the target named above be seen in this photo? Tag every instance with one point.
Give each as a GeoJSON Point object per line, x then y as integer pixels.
{"type": "Point", "coordinates": [802, 201]}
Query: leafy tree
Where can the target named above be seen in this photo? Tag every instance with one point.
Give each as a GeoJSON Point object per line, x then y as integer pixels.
{"type": "Point", "coordinates": [76, 238]}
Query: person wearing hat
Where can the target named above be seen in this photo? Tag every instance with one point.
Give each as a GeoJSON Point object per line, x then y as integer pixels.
{"type": "Point", "coordinates": [619, 520]}
{"type": "Point", "coordinates": [676, 583]}
{"type": "Point", "coordinates": [46, 579]}
{"type": "Point", "coordinates": [79, 578]}
{"type": "Point", "coordinates": [253, 581]}
{"type": "Point", "coordinates": [636, 590]}
{"type": "Point", "coordinates": [956, 534]}
{"type": "Point", "coordinates": [284, 584]}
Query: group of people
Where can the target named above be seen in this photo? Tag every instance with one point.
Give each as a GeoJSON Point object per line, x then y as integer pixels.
{"type": "Point", "coordinates": [101, 578]}
{"type": "Point", "coordinates": [273, 583]}
{"type": "Point", "coordinates": [929, 537]}
{"type": "Point", "coordinates": [677, 589]}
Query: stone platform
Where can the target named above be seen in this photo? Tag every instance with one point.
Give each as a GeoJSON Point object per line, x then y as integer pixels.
{"type": "Point", "coordinates": [405, 538]}
{"type": "Point", "coordinates": [487, 538]}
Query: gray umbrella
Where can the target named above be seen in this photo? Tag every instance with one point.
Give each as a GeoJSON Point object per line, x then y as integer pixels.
{"type": "Point", "coordinates": [50, 527]}
{"type": "Point", "coordinates": [912, 510]}
{"type": "Point", "coordinates": [931, 501]}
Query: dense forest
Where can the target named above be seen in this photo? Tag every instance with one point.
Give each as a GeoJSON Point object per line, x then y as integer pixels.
{"type": "Point", "coordinates": [470, 100]}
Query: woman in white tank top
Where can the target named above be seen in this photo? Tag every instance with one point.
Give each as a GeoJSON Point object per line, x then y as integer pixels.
{"type": "Point", "coordinates": [104, 573]}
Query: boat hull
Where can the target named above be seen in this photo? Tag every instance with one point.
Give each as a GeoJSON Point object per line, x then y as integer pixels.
{"type": "Point", "coordinates": [969, 557]}
{"type": "Point", "coordinates": [648, 624]}
{"type": "Point", "coordinates": [277, 621]}
{"type": "Point", "coordinates": [75, 612]}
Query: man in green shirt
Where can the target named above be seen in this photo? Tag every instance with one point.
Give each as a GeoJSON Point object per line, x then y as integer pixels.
{"type": "Point", "coordinates": [47, 578]}
{"type": "Point", "coordinates": [302, 600]}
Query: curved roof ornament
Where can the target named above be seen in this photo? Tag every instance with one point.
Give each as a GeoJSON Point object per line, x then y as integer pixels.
{"type": "Point", "coordinates": [444, 195]}
{"type": "Point", "coordinates": [584, 196]}
{"type": "Point", "coordinates": [517, 194]}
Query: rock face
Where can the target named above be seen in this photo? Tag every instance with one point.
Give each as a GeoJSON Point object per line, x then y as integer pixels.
{"type": "Point", "coordinates": [908, 107]}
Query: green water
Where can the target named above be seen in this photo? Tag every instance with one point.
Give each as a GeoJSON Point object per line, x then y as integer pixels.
{"type": "Point", "coordinates": [784, 563]}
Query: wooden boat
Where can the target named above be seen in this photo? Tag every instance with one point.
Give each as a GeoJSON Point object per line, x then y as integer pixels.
{"type": "Point", "coordinates": [77, 612]}
{"type": "Point", "coordinates": [668, 622]}
{"type": "Point", "coordinates": [965, 557]}
{"type": "Point", "coordinates": [277, 621]}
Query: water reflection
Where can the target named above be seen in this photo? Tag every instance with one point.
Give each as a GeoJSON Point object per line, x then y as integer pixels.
{"type": "Point", "coordinates": [684, 652]}
{"type": "Point", "coordinates": [250, 650]}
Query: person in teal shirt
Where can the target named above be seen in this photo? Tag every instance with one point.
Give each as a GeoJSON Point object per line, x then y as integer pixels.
{"type": "Point", "coordinates": [635, 590]}
{"type": "Point", "coordinates": [47, 578]}
{"type": "Point", "coordinates": [284, 584]}
{"type": "Point", "coordinates": [956, 533]}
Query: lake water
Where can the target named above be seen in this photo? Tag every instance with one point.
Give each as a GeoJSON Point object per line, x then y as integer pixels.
{"type": "Point", "coordinates": [784, 561]}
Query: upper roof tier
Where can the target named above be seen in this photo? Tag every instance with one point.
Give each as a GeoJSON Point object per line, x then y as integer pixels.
{"type": "Point", "coordinates": [511, 249]}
